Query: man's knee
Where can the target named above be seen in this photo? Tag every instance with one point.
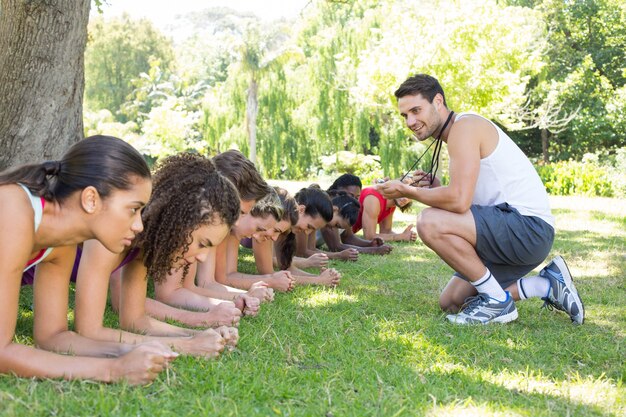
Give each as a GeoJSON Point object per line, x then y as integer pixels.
{"type": "Point", "coordinates": [427, 224]}
{"type": "Point", "coordinates": [447, 304]}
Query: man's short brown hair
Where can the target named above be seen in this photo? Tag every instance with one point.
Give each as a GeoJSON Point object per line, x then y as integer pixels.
{"type": "Point", "coordinates": [423, 84]}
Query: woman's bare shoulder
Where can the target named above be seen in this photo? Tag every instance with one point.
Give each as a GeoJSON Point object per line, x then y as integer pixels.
{"type": "Point", "coordinates": [15, 205]}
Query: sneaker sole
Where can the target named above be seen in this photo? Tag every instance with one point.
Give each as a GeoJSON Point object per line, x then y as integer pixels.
{"type": "Point", "coordinates": [506, 318]}
{"type": "Point", "coordinates": [500, 319]}
{"type": "Point", "coordinates": [569, 282]}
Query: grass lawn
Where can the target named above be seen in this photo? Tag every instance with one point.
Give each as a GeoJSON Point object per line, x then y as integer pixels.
{"type": "Point", "coordinates": [379, 346]}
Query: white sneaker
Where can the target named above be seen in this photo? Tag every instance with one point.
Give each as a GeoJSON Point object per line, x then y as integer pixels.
{"type": "Point", "coordinates": [562, 294]}
{"type": "Point", "coordinates": [482, 309]}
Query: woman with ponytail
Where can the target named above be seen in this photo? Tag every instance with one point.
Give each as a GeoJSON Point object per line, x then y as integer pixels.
{"type": "Point", "coordinates": [306, 212]}
{"type": "Point", "coordinates": [279, 247]}
{"type": "Point", "coordinates": [338, 235]}
{"type": "Point", "coordinates": [96, 191]}
{"type": "Point", "coordinates": [218, 275]}
{"type": "Point", "coordinates": [259, 214]}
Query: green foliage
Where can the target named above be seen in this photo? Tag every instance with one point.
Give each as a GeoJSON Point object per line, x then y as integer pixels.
{"type": "Point", "coordinates": [586, 178]}
{"type": "Point", "coordinates": [150, 89]}
{"type": "Point", "coordinates": [211, 47]}
{"type": "Point", "coordinates": [285, 147]}
{"type": "Point", "coordinates": [118, 51]}
{"type": "Point", "coordinates": [367, 167]}
{"type": "Point", "coordinates": [168, 129]}
{"type": "Point", "coordinates": [356, 66]}
{"type": "Point", "coordinates": [583, 69]}
{"type": "Point", "coordinates": [222, 123]}
{"type": "Point", "coordinates": [617, 172]}
{"type": "Point", "coordinates": [153, 88]}
{"type": "Point", "coordinates": [103, 123]}
{"type": "Point", "coordinates": [326, 80]}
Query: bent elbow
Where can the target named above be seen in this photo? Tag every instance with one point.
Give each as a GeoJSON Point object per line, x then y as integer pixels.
{"type": "Point", "coordinates": [49, 341]}
{"type": "Point", "coordinates": [461, 206]}
{"type": "Point", "coordinates": [134, 324]}
{"type": "Point", "coordinates": [84, 329]}
{"type": "Point", "coordinates": [333, 247]}
{"type": "Point", "coordinates": [225, 279]}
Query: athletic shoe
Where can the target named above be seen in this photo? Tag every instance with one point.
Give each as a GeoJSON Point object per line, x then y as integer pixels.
{"type": "Point", "coordinates": [562, 294]}
{"type": "Point", "coordinates": [482, 309]}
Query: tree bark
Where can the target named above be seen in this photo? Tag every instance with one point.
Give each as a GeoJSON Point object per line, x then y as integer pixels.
{"type": "Point", "coordinates": [42, 45]}
{"type": "Point", "coordinates": [252, 110]}
{"type": "Point", "coordinates": [545, 138]}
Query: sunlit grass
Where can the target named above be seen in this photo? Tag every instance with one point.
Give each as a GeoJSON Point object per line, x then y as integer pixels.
{"type": "Point", "coordinates": [328, 298]}
{"type": "Point", "coordinates": [378, 345]}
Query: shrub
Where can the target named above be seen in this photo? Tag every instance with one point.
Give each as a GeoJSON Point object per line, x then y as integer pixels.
{"type": "Point", "coordinates": [587, 178]}
{"type": "Point", "coordinates": [102, 122]}
{"type": "Point", "coordinates": [169, 129]}
{"type": "Point", "coordinates": [367, 167]}
{"type": "Point", "coordinates": [617, 171]}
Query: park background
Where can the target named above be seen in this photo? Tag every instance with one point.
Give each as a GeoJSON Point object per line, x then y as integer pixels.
{"type": "Point", "coordinates": [313, 94]}
{"type": "Point", "coordinates": [306, 91]}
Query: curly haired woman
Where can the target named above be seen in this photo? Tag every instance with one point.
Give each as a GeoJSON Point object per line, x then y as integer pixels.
{"type": "Point", "coordinates": [251, 188]}
{"type": "Point", "coordinates": [179, 289]}
{"type": "Point", "coordinates": [256, 219]}
{"type": "Point", "coordinates": [191, 210]}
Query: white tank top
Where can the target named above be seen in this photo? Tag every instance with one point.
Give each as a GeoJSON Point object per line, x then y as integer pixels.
{"type": "Point", "coordinates": [508, 176]}
{"type": "Point", "coordinates": [38, 209]}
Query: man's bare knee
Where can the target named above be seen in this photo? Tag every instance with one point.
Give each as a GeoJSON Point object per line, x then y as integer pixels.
{"type": "Point", "coordinates": [427, 224]}
{"type": "Point", "coordinates": [447, 304]}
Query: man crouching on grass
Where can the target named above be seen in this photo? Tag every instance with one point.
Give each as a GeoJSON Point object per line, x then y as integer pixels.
{"type": "Point", "coordinates": [492, 223]}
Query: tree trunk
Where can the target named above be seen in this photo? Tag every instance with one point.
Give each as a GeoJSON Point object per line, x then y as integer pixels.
{"type": "Point", "coordinates": [42, 45]}
{"type": "Point", "coordinates": [544, 145]}
{"type": "Point", "coordinates": [252, 109]}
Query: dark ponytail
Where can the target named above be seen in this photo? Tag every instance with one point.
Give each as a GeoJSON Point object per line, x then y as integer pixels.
{"type": "Point", "coordinates": [286, 242]}
{"type": "Point", "coordinates": [345, 181]}
{"type": "Point", "coordinates": [285, 250]}
{"type": "Point", "coordinates": [103, 162]}
{"type": "Point", "coordinates": [347, 205]}
{"type": "Point", "coordinates": [316, 202]}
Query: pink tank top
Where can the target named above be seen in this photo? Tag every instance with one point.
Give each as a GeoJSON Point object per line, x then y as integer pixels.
{"type": "Point", "coordinates": [384, 211]}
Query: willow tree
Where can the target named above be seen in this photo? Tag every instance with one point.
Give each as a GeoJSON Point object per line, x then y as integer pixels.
{"type": "Point", "coordinates": [363, 50]}
{"type": "Point", "coordinates": [220, 125]}
{"type": "Point", "coordinates": [261, 49]}
{"type": "Point", "coordinates": [285, 143]}
{"type": "Point", "coordinates": [332, 37]}
{"type": "Point", "coordinates": [339, 94]}
{"type": "Point", "coordinates": [41, 78]}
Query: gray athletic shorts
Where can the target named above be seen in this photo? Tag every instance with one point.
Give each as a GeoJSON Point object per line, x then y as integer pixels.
{"type": "Point", "coordinates": [509, 244]}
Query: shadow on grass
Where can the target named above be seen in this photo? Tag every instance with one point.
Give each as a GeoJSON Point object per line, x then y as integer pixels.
{"type": "Point", "coordinates": [539, 339]}
{"type": "Point", "coordinates": [588, 244]}
{"type": "Point", "coordinates": [382, 364]}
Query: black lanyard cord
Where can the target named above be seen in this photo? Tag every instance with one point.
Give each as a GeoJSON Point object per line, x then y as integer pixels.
{"type": "Point", "coordinates": [434, 162]}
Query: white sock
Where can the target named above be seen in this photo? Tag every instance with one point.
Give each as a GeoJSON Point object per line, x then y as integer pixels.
{"type": "Point", "coordinates": [488, 285]}
{"type": "Point", "coordinates": [532, 287]}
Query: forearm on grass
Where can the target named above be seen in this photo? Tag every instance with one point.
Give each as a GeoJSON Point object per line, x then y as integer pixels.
{"type": "Point", "coordinates": [30, 362]}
